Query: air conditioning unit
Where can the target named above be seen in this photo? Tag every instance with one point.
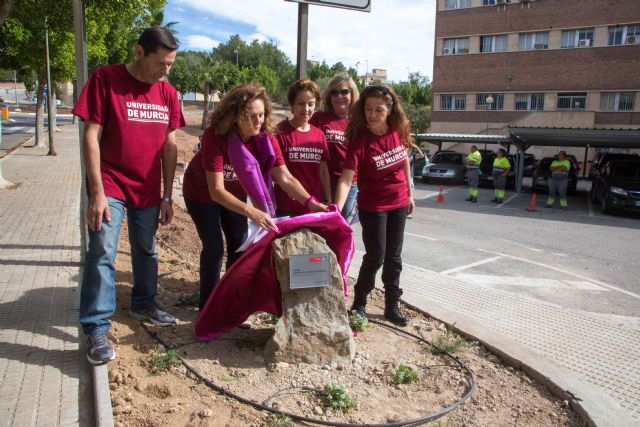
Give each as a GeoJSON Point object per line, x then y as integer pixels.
{"type": "Point", "coordinates": [538, 46]}
{"type": "Point", "coordinates": [463, 50]}
{"type": "Point", "coordinates": [633, 39]}
{"type": "Point", "coordinates": [584, 43]}
{"type": "Point", "coordinates": [446, 51]}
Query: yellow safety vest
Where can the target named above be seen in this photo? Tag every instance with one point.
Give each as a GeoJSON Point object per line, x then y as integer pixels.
{"type": "Point", "coordinates": [474, 159]}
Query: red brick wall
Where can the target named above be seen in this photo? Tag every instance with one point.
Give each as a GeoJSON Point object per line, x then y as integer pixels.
{"type": "Point", "coordinates": [617, 119]}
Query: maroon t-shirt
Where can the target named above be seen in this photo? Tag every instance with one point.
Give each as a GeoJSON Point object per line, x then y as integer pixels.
{"type": "Point", "coordinates": [380, 162]}
{"type": "Point", "coordinates": [213, 157]}
{"type": "Point", "coordinates": [334, 128]}
{"type": "Point", "coordinates": [302, 152]}
{"type": "Point", "coordinates": [135, 118]}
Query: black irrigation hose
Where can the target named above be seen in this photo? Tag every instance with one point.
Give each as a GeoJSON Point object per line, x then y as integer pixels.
{"type": "Point", "coordinates": [421, 420]}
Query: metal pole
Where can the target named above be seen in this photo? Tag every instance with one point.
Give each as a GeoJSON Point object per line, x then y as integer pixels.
{"type": "Point", "coordinates": [52, 151]}
{"type": "Point", "coordinates": [520, 171]}
{"type": "Point", "coordinates": [81, 79]}
{"type": "Point", "coordinates": [303, 35]}
{"type": "Point", "coordinates": [15, 87]}
{"type": "Point", "coordinates": [584, 164]}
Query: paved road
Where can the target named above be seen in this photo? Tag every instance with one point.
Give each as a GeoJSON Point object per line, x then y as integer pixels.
{"type": "Point", "coordinates": [21, 127]}
{"type": "Point", "coordinates": [578, 259]}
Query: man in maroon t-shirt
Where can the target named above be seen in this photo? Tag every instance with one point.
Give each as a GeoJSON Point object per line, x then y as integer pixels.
{"type": "Point", "coordinates": [130, 114]}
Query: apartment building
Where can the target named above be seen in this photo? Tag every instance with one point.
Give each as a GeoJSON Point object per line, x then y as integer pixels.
{"type": "Point", "coordinates": [376, 75]}
{"type": "Point", "coordinates": [536, 63]}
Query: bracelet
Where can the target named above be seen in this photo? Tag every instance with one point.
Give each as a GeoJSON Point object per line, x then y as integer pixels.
{"type": "Point", "coordinates": [167, 199]}
{"type": "Point", "coordinates": [306, 202]}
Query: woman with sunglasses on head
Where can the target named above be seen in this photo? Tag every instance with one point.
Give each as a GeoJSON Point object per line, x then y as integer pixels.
{"type": "Point", "coordinates": [339, 97]}
{"type": "Point", "coordinates": [238, 157]}
{"type": "Point", "coordinates": [378, 134]}
{"type": "Point", "coordinates": [304, 149]}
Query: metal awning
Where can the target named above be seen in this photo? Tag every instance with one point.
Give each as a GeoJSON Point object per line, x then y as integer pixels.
{"type": "Point", "coordinates": [575, 137]}
{"type": "Point", "coordinates": [439, 138]}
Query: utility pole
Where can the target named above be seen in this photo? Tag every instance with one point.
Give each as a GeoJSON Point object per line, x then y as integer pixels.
{"type": "Point", "coordinates": [303, 35]}
{"type": "Point", "coordinates": [15, 88]}
{"type": "Point", "coordinates": [52, 151]}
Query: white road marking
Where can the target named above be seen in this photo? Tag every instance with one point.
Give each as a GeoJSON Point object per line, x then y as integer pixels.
{"type": "Point", "coordinates": [473, 264]}
{"type": "Point", "coordinates": [569, 273]}
{"type": "Point", "coordinates": [521, 245]}
{"type": "Point", "coordinates": [420, 236]}
{"type": "Point", "coordinates": [432, 195]}
{"type": "Point", "coordinates": [558, 254]}
{"type": "Point", "coordinates": [527, 282]}
{"type": "Point", "coordinates": [507, 201]}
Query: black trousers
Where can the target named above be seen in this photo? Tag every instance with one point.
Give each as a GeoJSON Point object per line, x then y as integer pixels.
{"type": "Point", "coordinates": [383, 236]}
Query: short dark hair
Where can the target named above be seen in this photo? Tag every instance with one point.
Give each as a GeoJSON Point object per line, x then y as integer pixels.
{"type": "Point", "coordinates": [157, 37]}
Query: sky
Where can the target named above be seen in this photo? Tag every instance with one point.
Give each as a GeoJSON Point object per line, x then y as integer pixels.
{"type": "Point", "coordinates": [397, 35]}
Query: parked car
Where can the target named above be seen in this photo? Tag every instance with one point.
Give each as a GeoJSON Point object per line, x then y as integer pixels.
{"type": "Point", "coordinates": [603, 157]}
{"type": "Point", "coordinates": [529, 164]}
{"type": "Point", "coordinates": [486, 170]}
{"type": "Point", "coordinates": [446, 166]}
{"type": "Point", "coordinates": [420, 164]}
{"type": "Point", "coordinates": [540, 179]}
{"type": "Point", "coordinates": [617, 186]}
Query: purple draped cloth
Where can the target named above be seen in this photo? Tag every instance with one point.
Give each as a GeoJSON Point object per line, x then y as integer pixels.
{"type": "Point", "coordinates": [250, 285]}
{"type": "Point", "coordinates": [255, 174]}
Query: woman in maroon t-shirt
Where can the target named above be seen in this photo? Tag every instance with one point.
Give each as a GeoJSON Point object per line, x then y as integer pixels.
{"type": "Point", "coordinates": [378, 134]}
{"type": "Point", "coordinates": [304, 148]}
{"type": "Point", "coordinates": [338, 99]}
{"type": "Point", "coordinates": [215, 196]}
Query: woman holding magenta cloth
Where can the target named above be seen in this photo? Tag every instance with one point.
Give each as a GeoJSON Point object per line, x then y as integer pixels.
{"type": "Point", "coordinates": [379, 136]}
{"type": "Point", "coordinates": [339, 97]}
{"type": "Point", "coordinates": [239, 157]}
{"type": "Point", "coordinates": [304, 149]}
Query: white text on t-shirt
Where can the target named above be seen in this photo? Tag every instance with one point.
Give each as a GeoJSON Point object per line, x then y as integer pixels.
{"type": "Point", "coordinates": [390, 158]}
{"type": "Point", "coordinates": [150, 113]}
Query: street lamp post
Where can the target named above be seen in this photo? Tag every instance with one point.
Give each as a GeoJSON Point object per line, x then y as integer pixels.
{"type": "Point", "coordinates": [488, 101]}
{"type": "Point", "coordinates": [236, 52]}
{"type": "Point", "coordinates": [15, 88]}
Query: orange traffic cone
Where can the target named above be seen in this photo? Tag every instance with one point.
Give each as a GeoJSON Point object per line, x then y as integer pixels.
{"type": "Point", "coordinates": [532, 203]}
{"type": "Point", "coordinates": [440, 198]}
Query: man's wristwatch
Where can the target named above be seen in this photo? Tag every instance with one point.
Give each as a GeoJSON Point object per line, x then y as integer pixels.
{"type": "Point", "coordinates": [168, 200]}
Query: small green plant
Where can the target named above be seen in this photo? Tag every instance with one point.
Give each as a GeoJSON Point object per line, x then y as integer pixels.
{"type": "Point", "coordinates": [405, 374]}
{"type": "Point", "coordinates": [229, 378]}
{"type": "Point", "coordinates": [337, 398]}
{"type": "Point", "coordinates": [358, 323]}
{"type": "Point", "coordinates": [161, 360]}
{"type": "Point", "coordinates": [268, 318]}
{"type": "Point", "coordinates": [448, 343]}
{"type": "Point", "coordinates": [280, 420]}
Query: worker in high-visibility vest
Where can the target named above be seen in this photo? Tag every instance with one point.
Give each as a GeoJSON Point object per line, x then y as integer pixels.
{"type": "Point", "coordinates": [501, 168]}
{"type": "Point", "coordinates": [558, 180]}
{"type": "Point", "coordinates": [473, 160]}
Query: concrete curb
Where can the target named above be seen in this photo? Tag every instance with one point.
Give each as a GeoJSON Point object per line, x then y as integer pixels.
{"type": "Point", "coordinates": [594, 408]}
{"type": "Point", "coordinates": [102, 396]}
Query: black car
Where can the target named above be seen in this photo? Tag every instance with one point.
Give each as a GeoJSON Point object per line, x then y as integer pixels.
{"type": "Point", "coordinates": [617, 186]}
{"type": "Point", "coordinates": [529, 164]}
{"type": "Point", "coordinates": [486, 171]}
{"type": "Point", "coordinates": [603, 157]}
{"type": "Point", "coordinates": [446, 166]}
{"type": "Point", "coordinates": [540, 179]}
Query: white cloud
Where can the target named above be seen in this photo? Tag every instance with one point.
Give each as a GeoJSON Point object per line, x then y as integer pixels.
{"type": "Point", "coordinates": [397, 35]}
{"type": "Point", "coordinates": [199, 42]}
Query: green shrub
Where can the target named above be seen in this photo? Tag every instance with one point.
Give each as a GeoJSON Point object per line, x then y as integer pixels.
{"type": "Point", "coordinates": [280, 420]}
{"type": "Point", "coordinates": [405, 374]}
{"type": "Point", "coordinates": [358, 323]}
{"type": "Point", "coordinates": [161, 360]}
{"type": "Point", "coordinates": [447, 343]}
{"type": "Point", "coordinates": [336, 398]}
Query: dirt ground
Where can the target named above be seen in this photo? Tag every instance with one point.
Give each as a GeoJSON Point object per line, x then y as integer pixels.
{"type": "Point", "coordinates": [142, 396]}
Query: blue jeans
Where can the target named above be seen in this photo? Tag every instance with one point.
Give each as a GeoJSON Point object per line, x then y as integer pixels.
{"type": "Point", "coordinates": [211, 221]}
{"type": "Point", "coordinates": [350, 202]}
{"type": "Point", "coordinates": [98, 292]}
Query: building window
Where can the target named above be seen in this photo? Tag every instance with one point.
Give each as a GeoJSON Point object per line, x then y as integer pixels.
{"type": "Point", "coordinates": [577, 38]}
{"type": "Point", "coordinates": [457, 4]}
{"type": "Point", "coordinates": [493, 43]}
{"type": "Point", "coordinates": [530, 41]}
{"type": "Point", "coordinates": [453, 46]}
{"type": "Point", "coordinates": [530, 101]}
{"type": "Point", "coordinates": [617, 101]}
{"type": "Point", "coordinates": [453, 102]}
{"type": "Point", "coordinates": [628, 34]}
{"type": "Point", "coordinates": [572, 101]}
{"type": "Point", "coordinates": [488, 2]}
{"type": "Point", "coordinates": [498, 101]}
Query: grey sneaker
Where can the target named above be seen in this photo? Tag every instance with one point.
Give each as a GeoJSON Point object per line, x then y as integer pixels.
{"type": "Point", "coordinates": [99, 349]}
{"type": "Point", "coordinates": [154, 314]}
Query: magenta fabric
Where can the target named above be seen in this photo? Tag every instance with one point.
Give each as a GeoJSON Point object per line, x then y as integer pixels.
{"type": "Point", "coordinates": [250, 285]}
{"type": "Point", "coordinates": [255, 174]}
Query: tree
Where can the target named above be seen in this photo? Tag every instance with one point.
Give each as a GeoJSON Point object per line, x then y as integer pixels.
{"type": "Point", "coordinates": [419, 117]}
{"type": "Point", "coordinates": [5, 7]}
{"type": "Point", "coordinates": [263, 75]}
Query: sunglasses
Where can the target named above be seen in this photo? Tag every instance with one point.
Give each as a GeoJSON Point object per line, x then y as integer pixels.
{"type": "Point", "coordinates": [343, 92]}
{"type": "Point", "coordinates": [369, 90]}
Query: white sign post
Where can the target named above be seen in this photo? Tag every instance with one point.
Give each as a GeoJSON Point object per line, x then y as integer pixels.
{"type": "Point", "coordinates": [361, 5]}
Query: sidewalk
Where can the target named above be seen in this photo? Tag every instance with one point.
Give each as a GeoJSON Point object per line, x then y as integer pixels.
{"type": "Point", "coordinates": [44, 376]}
{"type": "Point", "coordinates": [582, 358]}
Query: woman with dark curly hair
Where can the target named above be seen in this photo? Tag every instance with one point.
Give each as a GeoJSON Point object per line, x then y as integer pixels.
{"type": "Point", "coordinates": [378, 134]}
{"type": "Point", "coordinates": [239, 157]}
